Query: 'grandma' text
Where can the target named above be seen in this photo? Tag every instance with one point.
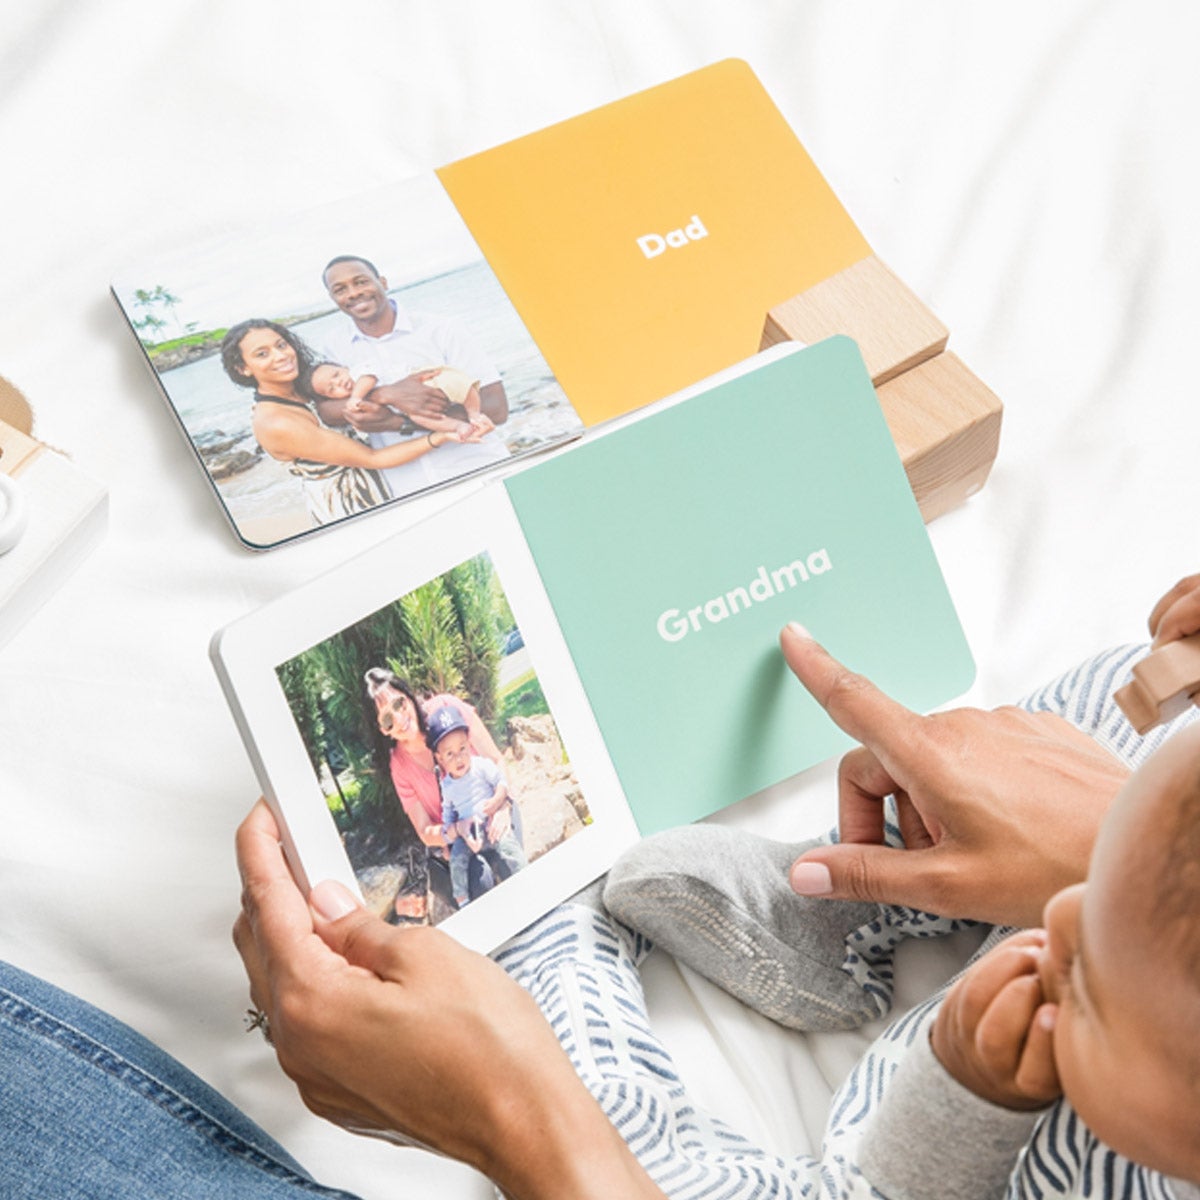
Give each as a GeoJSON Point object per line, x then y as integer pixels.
{"type": "Point", "coordinates": [675, 624]}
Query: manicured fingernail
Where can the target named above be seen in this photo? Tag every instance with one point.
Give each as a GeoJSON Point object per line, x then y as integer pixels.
{"type": "Point", "coordinates": [1047, 1017]}
{"type": "Point", "coordinates": [811, 879]}
{"type": "Point", "coordinates": [794, 627]}
{"type": "Point", "coordinates": [332, 900]}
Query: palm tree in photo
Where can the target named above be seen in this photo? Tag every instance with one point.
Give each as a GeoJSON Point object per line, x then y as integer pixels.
{"type": "Point", "coordinates": [432, 659]}
{"type": "Point", "coordinates": [473, 590]}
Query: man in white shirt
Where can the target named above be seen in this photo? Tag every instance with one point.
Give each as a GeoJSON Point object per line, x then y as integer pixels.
{"type": "Point", "coordinates": [398, 348]}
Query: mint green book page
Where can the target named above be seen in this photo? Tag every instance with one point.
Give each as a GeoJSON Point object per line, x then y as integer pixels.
{"type": "Point", "coordinates": [674, 550]}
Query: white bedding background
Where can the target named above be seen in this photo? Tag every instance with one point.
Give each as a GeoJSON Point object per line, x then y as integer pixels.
{"type": "Point", "coordinates": [1030, 170]}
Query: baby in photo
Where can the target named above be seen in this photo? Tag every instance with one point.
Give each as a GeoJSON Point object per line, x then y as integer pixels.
{"type": "Point", "coordinates": [468, 785]}
{"type": "Point", "coordinates": [332, 381]}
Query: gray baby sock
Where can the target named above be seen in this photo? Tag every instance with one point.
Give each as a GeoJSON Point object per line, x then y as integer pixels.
{"type": "Point", "coordinates": [718, 900]}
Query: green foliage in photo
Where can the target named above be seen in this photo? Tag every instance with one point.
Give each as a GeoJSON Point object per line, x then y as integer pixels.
{"type": "Point", "coordinates": [442, 637]}
{"type": "Point", "coordinates": [523, 697]}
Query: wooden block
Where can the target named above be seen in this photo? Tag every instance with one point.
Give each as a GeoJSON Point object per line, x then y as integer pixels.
{"type": "Point", "coordinates": [1164, 683]}
{"type": "Point", "coordinates": [893, 329]}
{"type": "Point", "coordinates": [946, 426]}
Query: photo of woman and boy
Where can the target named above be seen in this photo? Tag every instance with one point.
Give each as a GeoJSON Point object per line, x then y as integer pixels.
{"type": "Point", "coordinates": [440, 762]}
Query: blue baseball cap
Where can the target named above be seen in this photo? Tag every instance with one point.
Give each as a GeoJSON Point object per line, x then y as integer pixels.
{"type": "Point", "coordinates": [442, 721]}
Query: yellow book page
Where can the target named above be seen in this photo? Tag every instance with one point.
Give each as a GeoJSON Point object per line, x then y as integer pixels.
{"type": "Point", "coordinates": [643, 242]}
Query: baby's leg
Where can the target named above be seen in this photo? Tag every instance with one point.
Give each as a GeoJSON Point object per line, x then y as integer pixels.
{"type": "Point", "coordinates": [460, 872]}
{"type": "Point", "coordinates": [506, 856]}
{"type": "Point", "coordinates": [579, 966]}
{"type": "Point", "coordinates": [718, 900]}
{"type": "Point", "coordinates": [472, 402]}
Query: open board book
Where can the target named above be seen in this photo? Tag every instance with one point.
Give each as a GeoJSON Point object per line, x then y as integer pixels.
{"type": "Point", "coordinates": [611, 615]}
{"type": "Point", "coordinates": [586, 270]}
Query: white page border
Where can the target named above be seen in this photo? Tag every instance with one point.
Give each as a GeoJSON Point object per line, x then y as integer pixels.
{"type": "Point", "coordinates": [247, 653]}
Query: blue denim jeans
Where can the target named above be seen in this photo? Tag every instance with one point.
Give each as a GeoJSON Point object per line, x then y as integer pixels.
{"type": "Point", "coordinates": [89, 1108]}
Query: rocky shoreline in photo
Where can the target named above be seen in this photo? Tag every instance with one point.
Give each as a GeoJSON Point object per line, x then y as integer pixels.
{"type": "Point", "coordinates": [180, 356]}
{"type": "Point", "coordinates": [228, 454]}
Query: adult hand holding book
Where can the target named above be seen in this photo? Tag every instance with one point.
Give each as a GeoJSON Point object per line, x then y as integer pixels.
{"type": "Point", "coordinates": [404, 1033]}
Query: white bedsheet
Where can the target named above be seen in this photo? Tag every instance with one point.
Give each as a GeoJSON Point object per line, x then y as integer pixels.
{"type": "Point", "coordinates": [1030, 170]}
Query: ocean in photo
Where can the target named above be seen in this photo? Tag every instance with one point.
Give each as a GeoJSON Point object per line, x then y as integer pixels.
{"type": "Point", "coordinates": [215, 410]}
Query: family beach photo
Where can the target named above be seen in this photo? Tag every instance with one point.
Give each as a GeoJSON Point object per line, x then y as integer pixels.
{"type": "Point", "coordinates": [440, 762]}
{"type": "Point", "coordinates": [343, 359]}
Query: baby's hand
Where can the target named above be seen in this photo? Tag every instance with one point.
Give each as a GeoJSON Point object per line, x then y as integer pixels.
{"type": "Point", "coordinates": [467, 830]}
{"type": "Point", "coordinates": [499, 824]}
{"type": "Point", "coordinates": [994, 1033]}
{"type": "Point", "coordinates": [1177, 614]}
{"type": "Point", "coordinates": [363, 407]}
{"type": "Point", "coordinates": [472, 430]}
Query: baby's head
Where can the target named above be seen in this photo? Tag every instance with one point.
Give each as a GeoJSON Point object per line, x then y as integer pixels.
{"type": "Point", "coordinates": [449, 740]}
{"type": "Point", "coordinates": [453, 754]}
{"type": "Point", "coordinates": [331, 381]}
{"type": "Point", "coordinates": [1122, 964]}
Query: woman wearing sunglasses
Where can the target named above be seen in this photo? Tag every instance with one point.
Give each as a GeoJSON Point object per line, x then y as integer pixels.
{"type": "Point", "coordinates": [401, 720]}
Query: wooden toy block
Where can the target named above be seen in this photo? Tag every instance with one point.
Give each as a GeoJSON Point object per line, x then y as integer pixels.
{"type": "Point", "coordinates": [1164, 683]}
{"type": "Point", "coordinates": [944, 420]}
{"type": "Point", "coordinates": [946, 425]}
{"type": "Point", "coordinates": [894, 330]}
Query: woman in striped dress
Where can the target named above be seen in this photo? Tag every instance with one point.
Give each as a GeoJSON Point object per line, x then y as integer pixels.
{"type": "Point", "coordinates": [339, 470]}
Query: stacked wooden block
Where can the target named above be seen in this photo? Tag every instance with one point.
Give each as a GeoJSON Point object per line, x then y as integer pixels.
{"type": "Point", "coordinates": [945, 421]}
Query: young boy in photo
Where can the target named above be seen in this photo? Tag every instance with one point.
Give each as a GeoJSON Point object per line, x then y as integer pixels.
{"type": "Point", "coordinates": [469, 784]}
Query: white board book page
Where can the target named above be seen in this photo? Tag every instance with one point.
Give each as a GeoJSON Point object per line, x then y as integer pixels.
{"type": "Point", "coordinates": [481, 531]}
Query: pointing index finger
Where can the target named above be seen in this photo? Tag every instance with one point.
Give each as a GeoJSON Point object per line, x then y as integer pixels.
{"type": "Point", "coordinates": [856, 705]}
